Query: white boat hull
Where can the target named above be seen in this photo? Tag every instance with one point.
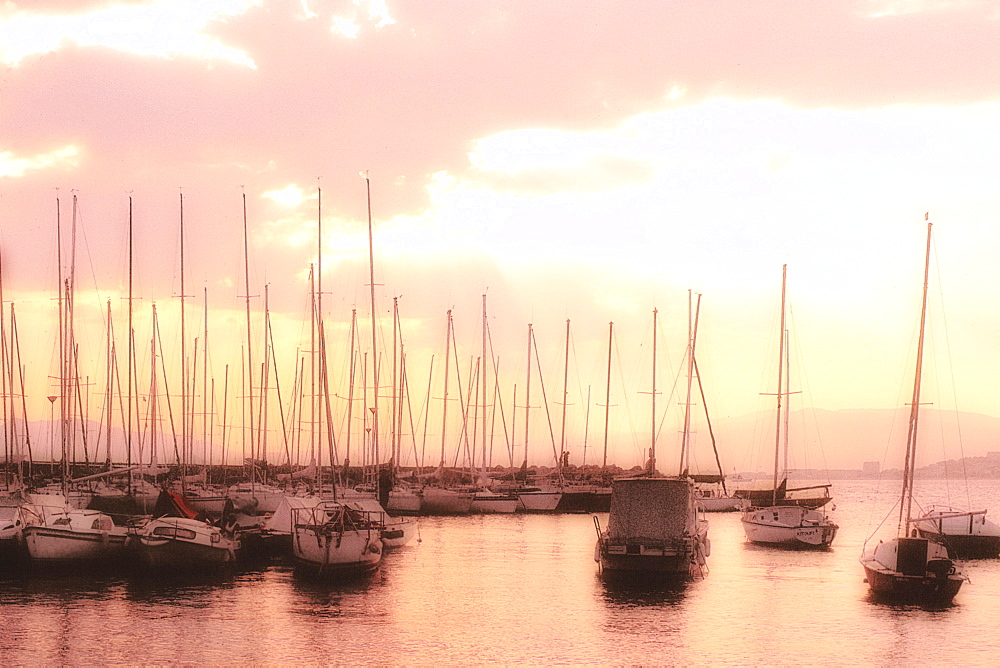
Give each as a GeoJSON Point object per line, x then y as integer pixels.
{"type": "Point", "coordinates": [538, 502]}
{"type": "Point", "coordinates": [350, 552]}
{"type": "Point", "coordinates": [77, 536]}
{"type": "Point", "coordinates": [788, 526]}
{"type": "Point", "coordinates": [489, 503]}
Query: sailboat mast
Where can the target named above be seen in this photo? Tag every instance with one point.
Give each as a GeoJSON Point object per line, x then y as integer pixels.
{"type": "Point", "coordinates": [911, 434]}
{"type": "Point", "coordinates": [184, 374]}
{"type": "Point", "coordinates": [371, 286]}
{"type": "Point", "coordinates": [350, 387]}
{"type": "Point", "coordinates": [62, 347]}
{"type": "Point", "coordinates": [394, 440]}
{"type": "Point", "coordinates": [527, 397]}
{"type": "Point", "coordinates": [781, 362]}
{"type": "Point", "coordinates": [788, 392]}
{"type": "Point", "coordinates": [131, 347]}
{"type": "Point", "coordinates": [249, 431]}
{"type": "Point", "coordinates": [607, 397]}
{"type": "Point", "coordinates": [686, 435]}
{"type": "Point", "coordinates": [484, 377]}
{"type": "Point", "coordinates": [562, 434]}
{"type": "Point", "coordinates": [444, 408]}
{"type": "Point", "coordinates": [652, 433]}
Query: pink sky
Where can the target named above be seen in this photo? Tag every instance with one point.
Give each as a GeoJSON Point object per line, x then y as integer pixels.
{"type": "Point", "coordinates": [582, 161]}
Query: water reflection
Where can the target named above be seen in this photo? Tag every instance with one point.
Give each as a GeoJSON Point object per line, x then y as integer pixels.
{"type": "Point", "coordinates": [641, 591]}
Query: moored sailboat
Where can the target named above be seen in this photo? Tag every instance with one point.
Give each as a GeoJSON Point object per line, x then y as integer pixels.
{"type": "Point", "coordinates": [967, 534]}
{"type": "Point", "coordinates": [911, 566]}
{"type": "Point", "coordinates": [776, 522]}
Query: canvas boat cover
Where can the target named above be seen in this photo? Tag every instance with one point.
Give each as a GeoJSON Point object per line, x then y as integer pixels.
{"type": "Point", "coordinates": [281, 520]}
{"type": "Point", "coordinates": [654, 509]}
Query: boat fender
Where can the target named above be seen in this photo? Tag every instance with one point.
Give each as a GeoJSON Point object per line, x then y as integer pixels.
{"type": "Point", "coordinates": [708, 547]}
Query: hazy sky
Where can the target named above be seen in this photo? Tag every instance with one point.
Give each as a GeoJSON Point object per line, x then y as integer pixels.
{"type": "Point", "coordinates": [574, 161]}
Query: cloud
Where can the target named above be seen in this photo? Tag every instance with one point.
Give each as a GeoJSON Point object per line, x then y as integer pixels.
{"type": "Point", "coordinates": [13, 166]}
{"type": "Point", "coordinates": [163, 28]}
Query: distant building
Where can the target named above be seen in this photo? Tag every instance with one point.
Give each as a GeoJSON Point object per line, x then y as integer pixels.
{"type": "Point", "coordinates": [871, 468]}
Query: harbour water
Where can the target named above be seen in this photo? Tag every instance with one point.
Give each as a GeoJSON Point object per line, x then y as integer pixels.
{"type": "Point", "coordinates": [521, 589]}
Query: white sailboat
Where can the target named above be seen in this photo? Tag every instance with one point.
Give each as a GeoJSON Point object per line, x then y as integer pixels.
{"type": "Point", "coordinates": [71, 535]}
{"type": "Point", "coordinates": [779, 524]}
{"type": "Point", "coordinates": [912, 566]}
{"type": "Point", "coordinates": [330, 538]}
{"type": "Point", "coordinates": [654, 526]}
{"type": "Point", "coordinates": [536, 496]}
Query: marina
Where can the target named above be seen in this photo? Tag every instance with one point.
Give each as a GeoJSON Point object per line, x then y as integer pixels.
{"type": "Point", "coordinates": [371, 332]}
{"type": "Point", "coordinates": [514, 589]}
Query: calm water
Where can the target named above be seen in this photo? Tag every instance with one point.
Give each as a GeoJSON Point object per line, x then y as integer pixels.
{"type": "Point", "coordinates": [519, 590]}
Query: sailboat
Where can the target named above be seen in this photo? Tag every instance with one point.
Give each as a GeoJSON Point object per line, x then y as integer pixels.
{"type": "Point", "coordinates": [71, 535]}
{"type": "Point", "coordinates": [334, 537]}
{"type": "Point", "coordinates": [654, 526]}
{"type": "Point", "coordinates": [968, 534]}
{"type": "Point", "coordinates": [710, 488]}
{"type": "Point", "coordinates": [778, 523]}
{"type": "Point", "coordinates": [535, 496]}
{"type": "Point", "coordinates": [176, 538]}
{"type": "Point", "coordinates": [912, 566]}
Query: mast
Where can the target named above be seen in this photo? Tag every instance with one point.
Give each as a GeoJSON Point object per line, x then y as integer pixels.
{"type": "Point", "coordinates": [206, 451]}
{"type": "Point", "coordinates": [394, 430]}
{"type": "Point", "coordinates": [484, 378]}
{"type": "Point", "coordinates": [527, 398]}
{"type": "Point", "coordinates": [562, 433]}
{"type": "Point", "coordinates": [607, 399]}
{"type": "Point", "coordinates": [316, 362]}
{"type": "Point", "coordinates": [911, 433]}
{"type": "Point", "coordinates": [62, 348]}
{"type": "Point", "coordinates": [371, 276]}
{"type": "Point", "coordinates": [110, 379]}
{"type": "Point", "coordinates": [184, 385]}
{"type": "Point", "coordinates": [788, 392]}
{"type": "Point", "coordinates": [131, 348]}
{"type": "Point", "coordinates": [781, 362]}
{"type": "Point", "coordinates": [248, 431]}
{"type": "Point", "coordinates": [350, 388]}
{"type": "Point", "coordinates": [444, 409]}
{"type": "Point", "coordinates": [686, 436]}
{"type": "Point", "coordinates": [652, 445]}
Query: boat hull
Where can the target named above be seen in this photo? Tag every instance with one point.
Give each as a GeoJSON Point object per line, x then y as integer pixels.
{"type": "Point", "coordinates": [438, 501]}
{"type": "Point", "coordinates": [912, 569]}
{"type": "Point", "coordinates": [681, 559]}
{"type": "Point", "coordinates": [55, 545]}
{"type": "Point", "coordinates": [336, 554]}
{"type": "Point", "coordinates": [654, 529]}
{"type": "Point", "coordinates": [175, 555]}
{"type": "Point", "coordinates": [538, 502]}
{"type": "Point", "coordinates": [893, 585]}
{"type": "Point", "coordinates": [788, 527]}
{"type": "Point", "coordinates": [182, 544]}
{"type": "Point", "coordinates": [965, 546]}
{"type": "Point", "coordinates": [491, 504]}
{"type": "Point", "coordinates": [721, 504]}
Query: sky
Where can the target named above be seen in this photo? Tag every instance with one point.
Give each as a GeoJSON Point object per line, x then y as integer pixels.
{"type": "Point", "coordinates": [582, 162]}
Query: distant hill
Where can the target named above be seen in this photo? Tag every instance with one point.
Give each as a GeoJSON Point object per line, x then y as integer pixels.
{"type": "Point", "coordinates": [845, 439]}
